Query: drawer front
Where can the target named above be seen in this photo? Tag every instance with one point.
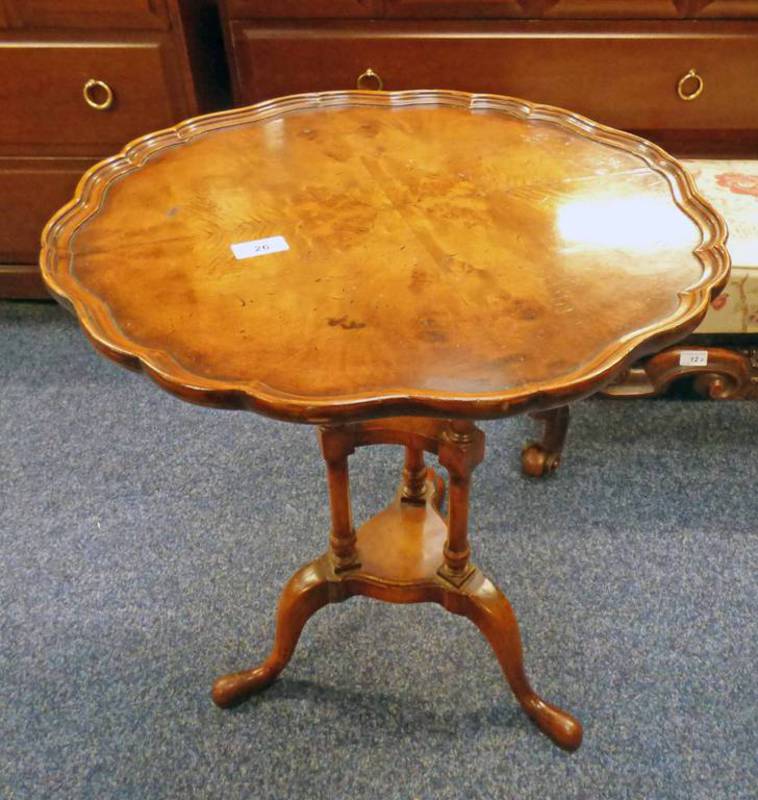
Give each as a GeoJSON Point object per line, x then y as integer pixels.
{"type": "Point", "coordinates": [620, 79]}
{"type": "Point", "coordinates": [44, 108]}
{"type": "Point", "coordinates": [571, 9]}
{"type": "Point", "coordinates": [86, 13]}
{"type": "Point", "coordinates": [302, 9]}
{"type": "Point", "coordinates": [32, 191]}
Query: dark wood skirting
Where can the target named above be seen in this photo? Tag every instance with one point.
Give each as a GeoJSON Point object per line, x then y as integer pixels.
{"type": "Point", "coordinates": [22, 282]}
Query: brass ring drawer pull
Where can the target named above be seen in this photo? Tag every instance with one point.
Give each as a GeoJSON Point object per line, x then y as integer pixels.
{"type": "Point", "coordinates": [369, 75]}
{"type": "Point", "coordinates": [697, 87]}
{"type": "Point", "coordinates": [90, 92]}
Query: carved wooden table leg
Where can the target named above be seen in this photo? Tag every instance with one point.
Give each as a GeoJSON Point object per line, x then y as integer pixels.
{"type": "Point", "coordinates": [543, 457]}
{"type": "Point", "coordinates": [405, 554]}
{"type": "Point", "coordinates": [488, 608]}
{"type": "Point", "coordinates": [306, 591]}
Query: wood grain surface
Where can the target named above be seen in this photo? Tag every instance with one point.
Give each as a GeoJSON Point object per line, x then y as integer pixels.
{"type": "Point", "coordinates": [449, 254]}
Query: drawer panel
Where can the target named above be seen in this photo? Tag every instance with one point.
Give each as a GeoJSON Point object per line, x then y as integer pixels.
{"type": "Point", "coordinates": [43, 105]}
{"type": "Point", "coordinates": [32, 191]}
{"type": "Point", "coordinates": [621, 79]}
{"type": "Point", "coordinates": [308, 9]}
{"type": "Point", "coordinates": [87, 13]}
{"type": "Point", "coordinates": [571, 9]}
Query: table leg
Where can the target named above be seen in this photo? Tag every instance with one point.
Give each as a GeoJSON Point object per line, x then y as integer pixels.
{"type": "Point", "coordinates": [543, 457]}
{"type": "Point", "coordinates": [305, 593]}
{"type": "Point", "coordinates": [405, 554]}
{"type": "Point", "coordinates": [488, 608]}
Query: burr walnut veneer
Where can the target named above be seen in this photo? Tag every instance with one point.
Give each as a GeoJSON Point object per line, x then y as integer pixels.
{"type": "Point", "coordinates": [441, 258]}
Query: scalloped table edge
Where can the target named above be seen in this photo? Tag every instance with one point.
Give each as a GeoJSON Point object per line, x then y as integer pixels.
{"type": "Point", "coordinates": [103, 331]}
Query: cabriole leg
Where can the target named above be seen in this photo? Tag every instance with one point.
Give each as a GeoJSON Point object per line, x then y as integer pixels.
{"type": "Point", "coordinates": [488, 608]}
{"type": "Point", "coordinates": [543, 457]}
{"type": "Point", "coordinates": [305, 593]}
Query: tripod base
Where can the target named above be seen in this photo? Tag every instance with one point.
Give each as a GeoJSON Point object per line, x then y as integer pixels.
{"type": "Point", "coordinates": [399, 556]}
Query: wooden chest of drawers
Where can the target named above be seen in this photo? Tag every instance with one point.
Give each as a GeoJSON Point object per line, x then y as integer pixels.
{"type": "Point", "coordinates": [677, 71]}
{"type": "Point", "coordinates": [79, 79]}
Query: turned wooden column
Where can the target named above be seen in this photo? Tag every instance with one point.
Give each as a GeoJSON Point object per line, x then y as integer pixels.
{"type": "Point", "coordinates": [461, 449]}
{"type": "Point", "coordinates": [336, 445]}
{"type": "Point", "coordinates": [414, 477]}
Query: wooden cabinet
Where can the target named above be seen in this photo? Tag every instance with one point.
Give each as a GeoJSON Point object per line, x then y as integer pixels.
{"type": "Point", "coordinates": [79, 80]}
{"type": "Point", "coordinates": [637, 93]}
{"type": "Point", "coordinates": [676, 71]}
{"type": "Point", "coordinates": [32, 188]}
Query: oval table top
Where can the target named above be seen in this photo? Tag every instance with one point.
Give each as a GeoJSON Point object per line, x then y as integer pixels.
{"type": "Point", "coordinates": [434, 253]}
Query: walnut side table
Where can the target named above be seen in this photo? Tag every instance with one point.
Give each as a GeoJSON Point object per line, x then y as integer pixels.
{"type": "Point", "coordinates": [390, 267]}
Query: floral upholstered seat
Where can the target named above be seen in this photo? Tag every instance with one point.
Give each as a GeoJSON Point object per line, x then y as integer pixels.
{"type": "Point", "coordinates": [732, 187]}
{"type": "Point", "coordinates": [721, 359]}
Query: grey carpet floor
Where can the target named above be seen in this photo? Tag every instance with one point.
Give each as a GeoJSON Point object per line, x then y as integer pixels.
{"type": "Point", "coordinates": [143, 543]}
